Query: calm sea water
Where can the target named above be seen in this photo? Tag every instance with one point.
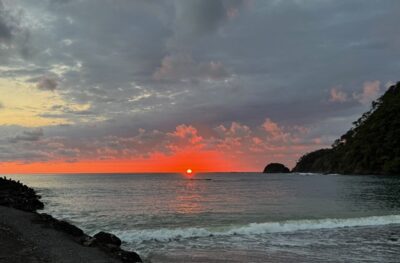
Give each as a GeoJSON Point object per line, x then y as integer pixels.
{"type": "Point", "coordinates": [234, 217]}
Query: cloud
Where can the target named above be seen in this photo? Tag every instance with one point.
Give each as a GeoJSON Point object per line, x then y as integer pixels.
{"type": "Point", "coordinates": [186, 132]}
{"type": "Point", "coordinates": [371, 90]}
{"type": "Point", "coordinates": [237, 142]}
{"type": "Point", "coordinates": [337, 95]}
{"type": "Point", "coordinates": [47, 83]}
{"type": "Point", "coordinates": [28, 135]}
{"type": "Point", "coordinates": [5, 28]}
{"type": "Point", "coordinates": [199, 63]}
{"type": "Point", "coordinates": [180, 67]}
{"type": "Point", "coordinates": [184, 137]}
{"type": "Point", "coordinates": [14, 35]}
{"type": "Point", "coordinates": [196, 18]}
{"type": "Point", "coordinates": [274, 131]}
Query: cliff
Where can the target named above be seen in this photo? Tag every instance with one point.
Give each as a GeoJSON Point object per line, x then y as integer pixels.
{"type": "Point", "coordinates": [372, 146]}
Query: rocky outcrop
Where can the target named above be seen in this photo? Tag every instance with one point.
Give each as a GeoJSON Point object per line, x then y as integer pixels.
{"type": "Point", "coordinates": [60, 225]}
{"type": "Point", "coordinates": [16, 195]}
{"type": "Point", "coordinates": [107, 238]}
{"type": "Point", "coordinates": [107, 242]}
{"type": "Point", "coordinates": [276, 168]}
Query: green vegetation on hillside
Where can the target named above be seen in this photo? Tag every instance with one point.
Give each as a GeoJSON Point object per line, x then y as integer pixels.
{"type": "Point", "coordinates": [372, 146]}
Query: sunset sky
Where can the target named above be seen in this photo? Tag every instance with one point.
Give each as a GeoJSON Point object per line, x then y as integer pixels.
{"type": "Point", "coordinates": [162, 86]}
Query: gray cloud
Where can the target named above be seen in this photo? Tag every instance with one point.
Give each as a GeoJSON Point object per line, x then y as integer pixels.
{"type": "Point", "coordinates": [195, 18]}
{"type": "Point", "coordinates": [47, 83]}
{"type": "Point", "coordinates": [5, 29]}
{"type": "Point", "coordinates": [14, 35]}
{"type": "Point", "coordinates": [182, 67]}
{"type": "Point", "coordinates": [28, 135]}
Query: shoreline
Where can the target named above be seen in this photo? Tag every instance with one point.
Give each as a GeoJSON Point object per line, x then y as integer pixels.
{"type": "Point", "coordinates": [29, 236]}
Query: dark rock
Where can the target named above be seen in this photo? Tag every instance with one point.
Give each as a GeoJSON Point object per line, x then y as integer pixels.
{"type": "Point", "coordinates": [68, 228]}
{"type": "Point", "coordinates": [43, 218]}
{"type": "Point", "coordinates": [110, 247]}
{"type": "Point", "coordinates": [64, 226]}
{"type": "Point", "coordinates": [88, 241]}
{"type": "Point", "coordinates": [276, 168]}
{"type": "Point", "coordinates": [129, 257]}
{"type": "Point", "coordinates": [46, 218]}
{"type": "Point", "coordinates": [15, 194]}
{"type": "Point", "coordinates": [107, 238]}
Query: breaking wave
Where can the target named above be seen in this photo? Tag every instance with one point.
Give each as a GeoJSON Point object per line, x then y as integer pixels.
{"type": "Point", "coordinates": [168, 234]}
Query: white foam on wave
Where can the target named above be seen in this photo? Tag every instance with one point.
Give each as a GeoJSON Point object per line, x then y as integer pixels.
{"type": "Point", "coordinates": [168, 234]}
{"type": "Point", "coordinates": [307, 173]}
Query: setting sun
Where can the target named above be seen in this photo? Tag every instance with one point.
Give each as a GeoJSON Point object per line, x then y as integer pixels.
{"type": "Point", "coordinates": [189, 171]}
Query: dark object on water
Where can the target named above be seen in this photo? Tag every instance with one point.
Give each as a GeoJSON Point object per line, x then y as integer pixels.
{"type": "Point", "coordinates": [372, 146]}
{"type": "Point", "coordinates": [200, 179]}
{"type": "Point", "coordinates": [276, 168]}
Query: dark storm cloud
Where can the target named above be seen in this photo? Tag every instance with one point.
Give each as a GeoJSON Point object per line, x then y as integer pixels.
{"type": "Point", "coordinates": [14, 36]}
{"type": "Point", "coordinates": [5, 29]}
{"type": "Point", "coordinates": [199, 17]}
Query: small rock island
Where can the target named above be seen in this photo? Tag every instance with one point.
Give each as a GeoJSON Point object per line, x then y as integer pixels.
{"type": "Point", "coordinates": [276, 168]}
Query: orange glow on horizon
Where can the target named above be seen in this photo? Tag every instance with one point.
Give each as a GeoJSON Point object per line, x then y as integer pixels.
{"type": "Point", "coordinates": [200, 161]}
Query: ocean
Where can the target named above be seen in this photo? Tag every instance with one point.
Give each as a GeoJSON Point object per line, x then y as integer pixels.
{"type": "Point", "coordinates": [233, 217]}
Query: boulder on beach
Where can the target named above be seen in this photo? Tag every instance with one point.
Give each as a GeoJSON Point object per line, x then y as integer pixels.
{"type": "Point", "coordinates": [107, 238]}
{"type": "Point", "coordinates": [276, 168]}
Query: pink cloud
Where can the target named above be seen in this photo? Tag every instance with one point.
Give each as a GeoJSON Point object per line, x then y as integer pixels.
{"type": "Point", "coordinates": [187, 133]}
{"type": "Point", "coordinates": [371, 90]}
{"type": "Point", "coordinates": [337, 95]}
{"type": "Point", "coordinates": [237, 143]}
{"type": "Point", "coordinates": [275, 133]}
